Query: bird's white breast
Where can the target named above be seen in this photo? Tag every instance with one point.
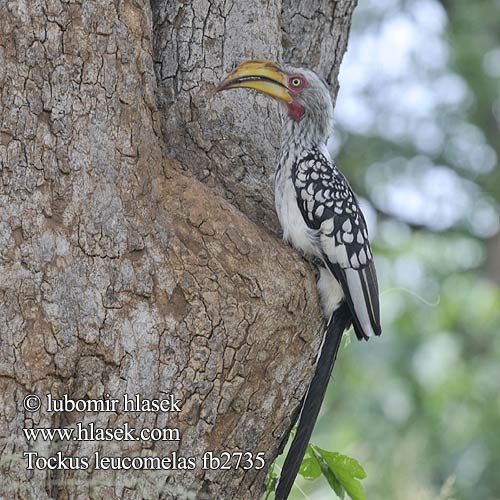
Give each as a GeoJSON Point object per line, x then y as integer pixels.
{"type": "Point", "coordinates": [295, 230]}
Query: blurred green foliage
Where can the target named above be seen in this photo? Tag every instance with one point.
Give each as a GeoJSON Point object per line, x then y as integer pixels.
{"type": "Point", "coordinates": [474, 34]}
{"type": "Point", "coordinates": [418, 137]}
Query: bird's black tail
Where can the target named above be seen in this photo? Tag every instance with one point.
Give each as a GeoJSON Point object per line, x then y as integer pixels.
{"type": "Point", "coordinates": [340, 321]}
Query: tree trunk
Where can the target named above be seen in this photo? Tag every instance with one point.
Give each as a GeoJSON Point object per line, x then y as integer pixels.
{"type": "Point", "coordinates": [120, 274]}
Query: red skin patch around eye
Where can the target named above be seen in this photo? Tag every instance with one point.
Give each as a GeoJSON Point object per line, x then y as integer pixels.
{"type": "Point", "coordinates": [296, 111]}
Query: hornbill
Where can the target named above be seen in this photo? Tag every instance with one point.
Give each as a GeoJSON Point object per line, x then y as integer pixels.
{"type": "Point", "coordinates": [320, 216]}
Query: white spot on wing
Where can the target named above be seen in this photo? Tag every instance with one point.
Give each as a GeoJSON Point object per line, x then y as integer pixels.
{"type": "Point", "coordinates": [362, 256]}
{"type": "Point", "coordinates": [354, 261]}
{"type": "Point", "coordinates": [327, 226]}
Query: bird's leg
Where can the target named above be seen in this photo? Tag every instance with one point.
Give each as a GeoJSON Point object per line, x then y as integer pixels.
{"type": "Point", "coordinates": [312, 259]}
{"type": "Point", "coordinates": [316, 263]}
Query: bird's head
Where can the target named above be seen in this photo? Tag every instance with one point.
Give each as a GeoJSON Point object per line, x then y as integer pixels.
{"type": "Point", "coordinates": [305, 94]}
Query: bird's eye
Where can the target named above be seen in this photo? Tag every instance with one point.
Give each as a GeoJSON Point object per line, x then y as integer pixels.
{"type": "Point", "coordinates": [296, 82]}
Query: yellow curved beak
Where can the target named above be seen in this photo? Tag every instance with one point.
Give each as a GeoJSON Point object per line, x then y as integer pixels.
{"type": "Point", "coordinates": [261, 75]}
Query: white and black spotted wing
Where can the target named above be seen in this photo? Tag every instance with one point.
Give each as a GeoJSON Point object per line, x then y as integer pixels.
{"type": "Point", "coordinates": [328, 206]}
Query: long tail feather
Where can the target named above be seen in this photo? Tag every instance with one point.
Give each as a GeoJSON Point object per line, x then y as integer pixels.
{"type": "Point", "coordinates": [340, 320]}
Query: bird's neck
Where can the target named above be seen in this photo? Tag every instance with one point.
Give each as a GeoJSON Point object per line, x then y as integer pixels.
{"type": "Point", "coordinates": [304, 135]}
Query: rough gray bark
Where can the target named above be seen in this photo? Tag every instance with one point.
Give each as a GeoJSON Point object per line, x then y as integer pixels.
{"type": "Point", "coordinates": [119, 273]}
{"type": "Point", "coordinates": [195, 45]}
{"type": "Point", "coordinates": [315, 34]}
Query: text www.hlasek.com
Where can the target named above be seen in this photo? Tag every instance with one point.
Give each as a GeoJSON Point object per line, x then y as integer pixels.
{"type": "Point", "coordinates": [90, 432]}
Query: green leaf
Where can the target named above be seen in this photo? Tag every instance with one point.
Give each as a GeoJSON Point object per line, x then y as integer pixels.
{"type": "Point", "coordinates": [332, 479]}
{"type": "Point", "coordinates": [310, 468]}
{"type": "Point", "coordinates": [341, 472]}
